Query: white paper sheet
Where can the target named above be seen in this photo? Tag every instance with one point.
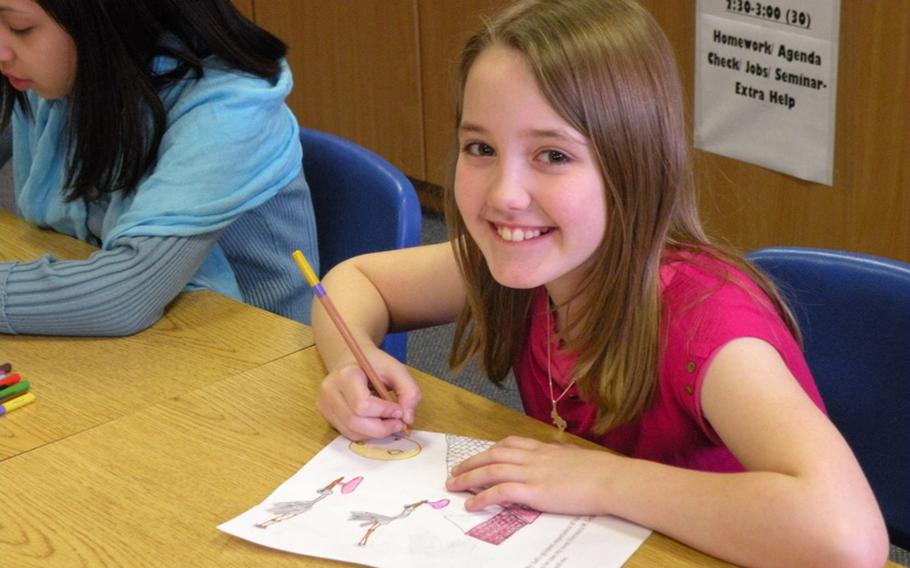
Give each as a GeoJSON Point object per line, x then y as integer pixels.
{"type": "Point", "coordinates": [766, 83]}
{"type": "Point", "coordinates": [384, 503]}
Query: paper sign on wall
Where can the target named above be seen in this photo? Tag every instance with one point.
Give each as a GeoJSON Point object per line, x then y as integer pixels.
{"type": "Point", "coordinates": [766, 83]}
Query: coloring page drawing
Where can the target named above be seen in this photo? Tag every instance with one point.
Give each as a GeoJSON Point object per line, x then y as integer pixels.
{"type": "Point", "coordinates": [384, 503]}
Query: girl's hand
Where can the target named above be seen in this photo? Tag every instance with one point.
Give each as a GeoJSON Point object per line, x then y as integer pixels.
{"type": "Point", "coordinates": [553, 478]}
{"type": "Point", "coordinates": [347, 402]}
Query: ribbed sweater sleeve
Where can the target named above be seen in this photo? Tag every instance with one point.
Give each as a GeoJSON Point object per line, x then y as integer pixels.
{"type": "Point", "coordinates": [113, 292]}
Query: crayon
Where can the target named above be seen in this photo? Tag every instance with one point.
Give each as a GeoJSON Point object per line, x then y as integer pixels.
{"type": "Point", "coordinates": [17, 402]}
{"type": "Point", "coordinates": [11, 379]}
{"type": "Point", "coordinates": [14, 391]}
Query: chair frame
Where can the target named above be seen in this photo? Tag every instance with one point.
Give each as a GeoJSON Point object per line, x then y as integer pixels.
{"type": "Point", "coordinates": [351, 188]}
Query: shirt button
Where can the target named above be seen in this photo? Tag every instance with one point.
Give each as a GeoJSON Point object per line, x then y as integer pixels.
{"type": "Point", "coordinates": [691, 367]}
{"type": "Point", "coordinates": [689, 390]}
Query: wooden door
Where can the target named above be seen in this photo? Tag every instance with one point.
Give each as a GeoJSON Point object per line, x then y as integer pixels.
{"type": "Point", "coordinates": [356, 73]}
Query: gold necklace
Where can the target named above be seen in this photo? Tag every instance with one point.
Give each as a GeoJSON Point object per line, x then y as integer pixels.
{"type": "Point", "coordinates": [558, 420]}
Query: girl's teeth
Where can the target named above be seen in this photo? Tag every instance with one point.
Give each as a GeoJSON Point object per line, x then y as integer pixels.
{"type": "Point", "coordinates": [518, 235]}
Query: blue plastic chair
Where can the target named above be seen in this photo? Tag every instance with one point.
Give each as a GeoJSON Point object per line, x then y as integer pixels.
{"type": "Point", "coordinates": [854, 313]}
{"type": "Point", "coordinates": [362, 204]}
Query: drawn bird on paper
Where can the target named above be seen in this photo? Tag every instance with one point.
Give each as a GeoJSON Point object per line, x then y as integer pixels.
{"type": "Point", "coordinates": [376, 520]}
{"type": "Point", "coordinates": [284, 510]}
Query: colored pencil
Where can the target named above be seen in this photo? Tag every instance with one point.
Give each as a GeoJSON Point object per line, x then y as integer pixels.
{"type": "Point", "coordinates": [343, 329]}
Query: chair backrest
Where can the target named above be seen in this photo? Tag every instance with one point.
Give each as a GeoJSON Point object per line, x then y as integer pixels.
{"type": "Point", "coordinates": [854, 313]}
{"type": "Point", "coordinates": [362, 204]}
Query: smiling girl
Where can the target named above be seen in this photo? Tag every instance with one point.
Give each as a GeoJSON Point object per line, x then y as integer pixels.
{"type": "Point", "coordinates": [578, 259]}
{"type": "Point", "coordinates": [157, 131]}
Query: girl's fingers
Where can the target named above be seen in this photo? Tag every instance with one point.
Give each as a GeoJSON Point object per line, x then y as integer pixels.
{"type": "Point", "coordinates": [356, 427]}
{"type": "Point", "coordinates": [372, 428]}
{"type": "Point", "coordinates": [512, 449]}
{"type": "Point", "coordinates": [486, 477]}
{"type": "Point", "coordinates": [357, 396]}
{"type": "Point", "coordinates": [502, 494]}
{"type": "Point", "coordinates": [496, 465]}
{"type": "Point", "coordinates": [354, 410]}
{"type": "Point", "coordinates": [365, 404]}
{"type": "Point", "coordinates": [407, 391]}
{"type": "Point", "coordinates": [347, 402]}
{"type": "Point", "coordinates": [399, 381]}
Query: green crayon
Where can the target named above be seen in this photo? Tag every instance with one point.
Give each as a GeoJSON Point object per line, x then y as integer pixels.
{"type": "Point", "coordinates": [15, 390]}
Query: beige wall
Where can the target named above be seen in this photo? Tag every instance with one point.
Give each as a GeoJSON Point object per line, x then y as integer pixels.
{"type": "Point", "coordinates": [379, 72]}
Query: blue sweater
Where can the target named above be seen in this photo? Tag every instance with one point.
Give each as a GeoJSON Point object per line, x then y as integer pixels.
{"type": "Point", "coordinates": [223, 208]}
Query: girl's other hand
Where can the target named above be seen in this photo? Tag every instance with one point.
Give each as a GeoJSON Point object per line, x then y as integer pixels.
{"type": "Point", "coordinates": [548, 477]}
{"type": "Point", "coordinates": [347, 402]}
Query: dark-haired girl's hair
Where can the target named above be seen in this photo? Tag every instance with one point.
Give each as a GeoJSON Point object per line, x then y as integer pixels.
{"type": "Point", "coordinates": [117, 118]}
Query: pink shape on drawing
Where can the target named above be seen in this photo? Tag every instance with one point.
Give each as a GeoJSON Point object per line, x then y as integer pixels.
{"type": "Point", "coordinates": [504, 524]}
{"type": "Point", "coordinates": [525, 514]}
{"type": "Point", "coordinates": [439, 504]}
{"type": "Point", "coordinates": [351, 485]}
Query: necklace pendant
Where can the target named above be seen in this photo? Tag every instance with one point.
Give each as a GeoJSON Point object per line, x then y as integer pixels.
{"type": "Point", "coordinates": [558, 420]}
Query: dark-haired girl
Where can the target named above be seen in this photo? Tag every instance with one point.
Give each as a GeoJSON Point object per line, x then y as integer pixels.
{"type": "Point", "coordinates": [156, 130]}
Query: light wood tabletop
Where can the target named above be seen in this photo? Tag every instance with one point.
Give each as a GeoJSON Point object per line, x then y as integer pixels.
{"type": "Point", "coordinates": [83, 382]}
{"type": "Point", "coordinates": [150, 488]}
{"type": "Point", "coordinates": [20, 240]}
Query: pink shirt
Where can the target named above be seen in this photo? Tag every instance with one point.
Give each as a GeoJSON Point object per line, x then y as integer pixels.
{"type": "Point", "coordinates": [702, 312]}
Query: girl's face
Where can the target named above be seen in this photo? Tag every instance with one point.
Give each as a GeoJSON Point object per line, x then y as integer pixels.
{"type": "Point", "coordinates": [35, 52]}
{"type": "Point", "coordinates": [527, 183]}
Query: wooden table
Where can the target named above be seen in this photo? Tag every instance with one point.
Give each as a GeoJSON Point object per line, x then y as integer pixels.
{"type": "Point", "coordinates": [149, 489]}
{"type": "Point", "coordinates": [83, 382]}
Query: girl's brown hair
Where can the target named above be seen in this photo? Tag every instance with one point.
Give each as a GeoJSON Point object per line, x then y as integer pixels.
{"type": "Point", "coordinates": [606, 67]}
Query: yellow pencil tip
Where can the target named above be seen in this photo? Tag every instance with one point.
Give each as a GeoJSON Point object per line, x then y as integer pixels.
{"type": "Point", "coordinates": [305, 268]}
